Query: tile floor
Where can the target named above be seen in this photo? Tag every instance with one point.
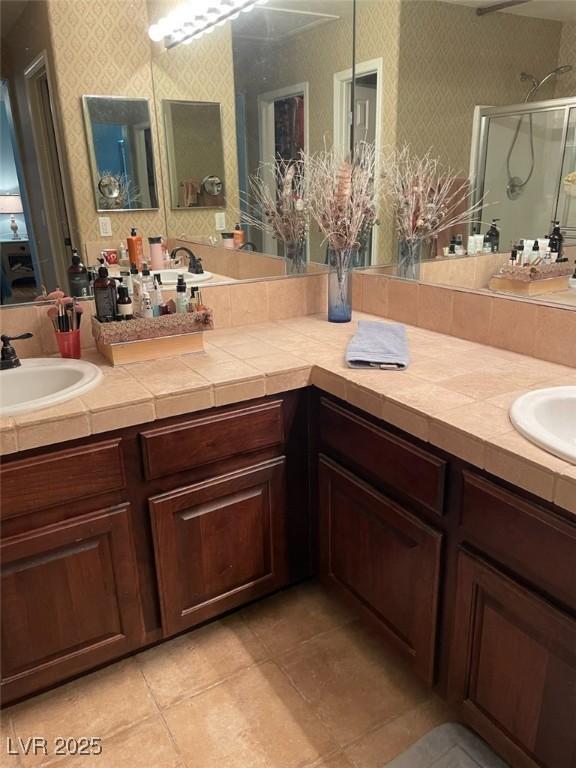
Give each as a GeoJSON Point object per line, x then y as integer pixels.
{"type": "Point", "coordinates": [293, 681]}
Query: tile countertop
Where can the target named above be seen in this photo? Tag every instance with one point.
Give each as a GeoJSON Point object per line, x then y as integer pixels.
{"type": "Point", "coordinates": [455, 394]}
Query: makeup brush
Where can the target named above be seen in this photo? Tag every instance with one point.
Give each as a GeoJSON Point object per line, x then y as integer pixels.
{"type": "Point", "coordinates": [53, 315]}
{"type": "Point", "coordinates": [78, 309]}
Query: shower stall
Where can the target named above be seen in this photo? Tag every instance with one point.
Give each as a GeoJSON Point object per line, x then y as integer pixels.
{"type": "Point", "coordinates": [524, 166]}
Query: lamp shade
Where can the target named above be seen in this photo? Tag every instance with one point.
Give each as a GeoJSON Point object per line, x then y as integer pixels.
{"type": "Point", "coordinates": [11, 204]}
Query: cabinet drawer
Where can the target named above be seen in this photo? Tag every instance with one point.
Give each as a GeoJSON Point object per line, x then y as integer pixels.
{"type": "Point", "coordinates": [211, 438]}
{"type": "Point", "coordinates": [414, 473]}
{"type": "Point", "coordinates": [70, 475]}
{"type": "Point", "coordinates": [529, 540]}
{"type": "Point", "coordinates": [513, 668]}
{"type": "Point", "coordinates": [219, 543]}
{"type": "Point", "coordinates": [383, 560]}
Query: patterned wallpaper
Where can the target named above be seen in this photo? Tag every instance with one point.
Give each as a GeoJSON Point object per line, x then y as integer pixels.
{"type": "Point", "coordinates": [566, 85]}
{"type": "Point", "coordinates": [101, 47]}
{"type": "Point", "coordinates": [451, 60]}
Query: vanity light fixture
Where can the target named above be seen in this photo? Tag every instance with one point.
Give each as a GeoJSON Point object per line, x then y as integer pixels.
{"type": "Point", "coordinates": [196, 18]}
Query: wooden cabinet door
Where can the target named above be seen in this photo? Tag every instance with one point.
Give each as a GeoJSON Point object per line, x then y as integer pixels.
{"type": "Point", "coordinates": [513, 668]}
{"type": "Point", "coordinates": [382, 559]}
{"type": "Point", "coordinates": [69, 599]}
{"type": "Point", "coordinates": [218, 543]}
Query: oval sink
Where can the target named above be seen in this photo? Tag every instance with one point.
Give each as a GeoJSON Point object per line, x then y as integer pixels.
{"type": "Point", "coordinates": [42, 382]}
{"type": "Point", "coordinates": [169, 277]}
{"type": "Point", "coordinates": [547, 417]}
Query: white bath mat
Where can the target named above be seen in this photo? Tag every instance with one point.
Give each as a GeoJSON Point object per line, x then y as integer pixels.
{"type": "Point", "coordinates": [448, 746]}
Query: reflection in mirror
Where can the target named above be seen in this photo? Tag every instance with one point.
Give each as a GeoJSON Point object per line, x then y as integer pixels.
{"type": "Point", "coordinates": [195, 154]}
{"type": "Point", "coordinates": [119, 136]}
{"type": "Point", "coordinates": [505, 126]}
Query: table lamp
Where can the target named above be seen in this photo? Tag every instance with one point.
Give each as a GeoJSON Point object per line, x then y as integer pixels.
{"type": "Point", "coordinates": [12, 204]}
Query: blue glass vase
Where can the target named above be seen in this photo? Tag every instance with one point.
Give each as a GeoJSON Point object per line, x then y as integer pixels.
{"type": "Point", "coordinates": [341, 263]}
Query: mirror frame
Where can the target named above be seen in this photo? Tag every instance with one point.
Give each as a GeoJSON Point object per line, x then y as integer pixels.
{"type": "Point", "coordinates": [92, 155]}
{"type": "Point", "coordinates": [170, 155]}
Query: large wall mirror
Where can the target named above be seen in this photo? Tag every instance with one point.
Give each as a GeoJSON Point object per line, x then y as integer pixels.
{"type": "Point", "coordinates": [489, 93]}
{"type": "Point", "coordinates": [195, 154]}
{"type": "Point", "coordinates": [121, 150]}
{"type": "Point", "coordinates": [505, 125]}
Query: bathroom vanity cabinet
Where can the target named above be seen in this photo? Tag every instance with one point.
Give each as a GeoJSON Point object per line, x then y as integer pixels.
{"type": "Point", "coordinates": [115, 542]}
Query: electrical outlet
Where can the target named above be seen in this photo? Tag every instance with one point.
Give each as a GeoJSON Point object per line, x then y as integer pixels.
{"type": "Point", "coordinates": [220, 221]}
{"type": "Point", "coordinates": [105, 226]}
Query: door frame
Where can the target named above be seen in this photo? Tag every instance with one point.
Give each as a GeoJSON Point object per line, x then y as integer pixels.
{"type": "Point", "coordinates": [342, 117]}
{"type": "Point", "coordinates": [59, 223]}
{"type": "Point", "coordinates": [266, 139]}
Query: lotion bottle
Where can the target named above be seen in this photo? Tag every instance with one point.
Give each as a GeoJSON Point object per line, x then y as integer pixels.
{"type": "Point", "coordinates": [135, 248]}
{"type": "Point", "coordinates": [181, 301]}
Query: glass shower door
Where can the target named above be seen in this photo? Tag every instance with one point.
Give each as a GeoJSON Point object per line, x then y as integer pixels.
{"type": "Point", "coordinates": [522, 164]}
{"type": "Point", "coordinates": [566, 211]}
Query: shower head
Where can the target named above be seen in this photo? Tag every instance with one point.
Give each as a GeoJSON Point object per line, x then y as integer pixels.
{"type": "Point", "coordinates": [563, 69]}
{"type": "Point", "coordinates": [536, 84]}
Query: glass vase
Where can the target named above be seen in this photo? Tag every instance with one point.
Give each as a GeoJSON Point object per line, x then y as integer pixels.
{"type": "Point", "coordinates": [409, 258]}
{"type": "Point", "coordinates": [295, 253]}
{"type": "Point", "coordinates": [341, 262]}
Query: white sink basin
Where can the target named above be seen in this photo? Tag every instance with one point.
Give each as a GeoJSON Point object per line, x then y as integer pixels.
{"type": "Point", "coordinates": [42, 382]}
{"type": "Point", "coordinates": [169, 277]}
{"type": "Point", "coordinates": [547, 417]}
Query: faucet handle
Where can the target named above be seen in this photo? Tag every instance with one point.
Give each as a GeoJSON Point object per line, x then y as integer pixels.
{"type": "Point", "coordinates": [7, 339]}
{"type": "Point", "coordinates": [8, 355]}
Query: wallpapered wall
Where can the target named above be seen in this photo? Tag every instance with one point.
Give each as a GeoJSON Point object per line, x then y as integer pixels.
{"type": "Point", "coordinates": [451, 60]}
{"type": "Point", "coordinates": [117, 58]}
{"type": "Point", "coordinates": [566, 85]}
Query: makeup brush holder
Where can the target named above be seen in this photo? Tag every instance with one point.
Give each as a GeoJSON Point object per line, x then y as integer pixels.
{"type": "Point", "coordinates": [69, 344]}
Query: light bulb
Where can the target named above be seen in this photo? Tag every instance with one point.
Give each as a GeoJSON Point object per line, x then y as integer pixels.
{"type": "Point", "coordinates": [156, 33]}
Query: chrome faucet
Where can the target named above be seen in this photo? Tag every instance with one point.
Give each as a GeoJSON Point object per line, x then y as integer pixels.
{"type": "Point", "coordinates": [8, 355]}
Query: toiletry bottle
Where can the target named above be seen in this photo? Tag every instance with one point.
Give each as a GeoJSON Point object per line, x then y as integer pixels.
{"type": "Point", "coordinates": [127, 281]}
{"type": "Point", "coordinates": [156, 252]}
{"type": "Point", "coordinates": [105, 296]}
{"type": "Point", "coordinates": [227, 239]}
{"type": "Point", "coordinates": [471, 245]}
{"type": "Point", "coordinates": [78, 280]}
{"type": "Point", "coordinates": [520, 253]}
{"type": "Point", "coordinates": [146, 279]}
{"type": "Point", "coordinates": [459, 245]}
{"type": "Point", "coordinates": [125, 308]}
{"type": "Point", "coordinates": [452, 246]}
{"type": "Point", "coordinates": [146, 308]}
{"type": "Point", "coordinates": [156, 296]}
{"type": "Point", "coordinates": [492, 238]}
{"type": "Point", "coordinates": [193, 301]}
{"type": "Point", "coordinates": [238, 236]}
{"type": "Point", "coordinates": [556, 239]}
{"type": "Point", "coordinates": [123, 260]}
{"type": "Point", "coordinates": [181, 301]}
{"type": "Point", "coordinates": [135, 248]}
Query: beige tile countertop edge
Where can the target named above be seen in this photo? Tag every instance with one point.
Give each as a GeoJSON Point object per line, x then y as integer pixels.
{"type": "Point", "coordinates": [455, 395]}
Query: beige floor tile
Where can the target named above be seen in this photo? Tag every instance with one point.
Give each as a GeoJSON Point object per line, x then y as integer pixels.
{"type": "Point", "coordinates": [290, 617]}
{"type": "Point", "coordinates": [146, 745]}
{"type": "Point", "coordinates": [350, 681]}
{"type": "Point", "coordinates": [393, 737]}
{"type": "Point", "coordinates": [8, 743]}
{"type": "Point", "coordinates": [253, 720]}
{"type": "Point", "coordinates": [195, 661]}
{"type": "Point", "coordinates": [96, 705]}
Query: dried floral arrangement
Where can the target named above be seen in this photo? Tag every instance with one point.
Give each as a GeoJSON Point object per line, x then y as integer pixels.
{"type": "Point", "coordinates": [426, 196]}
{"type": "Point", "coordinates": [343, 196]}
{"type": "Point", "coordinates": [277, 202]}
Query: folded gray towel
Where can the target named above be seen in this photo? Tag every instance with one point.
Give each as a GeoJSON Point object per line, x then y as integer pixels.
{"type": "Point", "coordinates": [378, 345]}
